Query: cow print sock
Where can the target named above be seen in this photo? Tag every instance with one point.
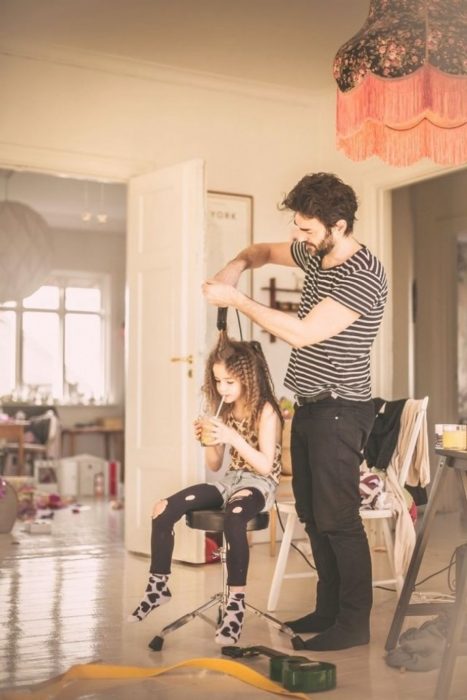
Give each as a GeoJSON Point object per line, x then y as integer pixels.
{"type": "Point", "coordinates": [157, 594]}
{"type": "Point", "coordinates": [230, 629]}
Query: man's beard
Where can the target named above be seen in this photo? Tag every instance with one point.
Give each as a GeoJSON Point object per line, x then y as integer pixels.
{"type": "Point", "coordinates": [325, 247]}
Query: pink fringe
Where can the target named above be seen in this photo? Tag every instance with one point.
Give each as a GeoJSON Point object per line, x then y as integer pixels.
{"type": "Point", "coordinates": [404, 147]}
{"type": "Point", "coordinates": [428, 94]}
{"type": "Point", "coordinates": [404, 119]}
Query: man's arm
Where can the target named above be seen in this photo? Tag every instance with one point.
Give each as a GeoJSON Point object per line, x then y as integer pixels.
{"type": "Point", "coordinates": [252, 257]}
{"type": "Point", "coordinates": [325, 320]}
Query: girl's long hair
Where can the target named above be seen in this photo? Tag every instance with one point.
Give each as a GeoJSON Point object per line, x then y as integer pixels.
{"type": "Point", "coordinates": [245, 360]}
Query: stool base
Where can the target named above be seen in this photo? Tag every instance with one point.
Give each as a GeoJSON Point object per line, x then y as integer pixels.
{"type": "Point", "coordinates": [213, 521]}
{"type": "Point", "coordinates": [157, 642]}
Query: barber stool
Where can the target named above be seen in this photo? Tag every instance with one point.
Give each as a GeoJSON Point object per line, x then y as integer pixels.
{"type": "Point", "coordinates": [213, 521]}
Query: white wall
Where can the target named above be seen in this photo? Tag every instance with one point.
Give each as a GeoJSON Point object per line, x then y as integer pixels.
{"type": "Point", "coordinates": [103, 118]}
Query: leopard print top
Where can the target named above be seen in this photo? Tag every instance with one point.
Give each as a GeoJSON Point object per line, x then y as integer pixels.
{"type": "Point", "coordinates": [237, 461]}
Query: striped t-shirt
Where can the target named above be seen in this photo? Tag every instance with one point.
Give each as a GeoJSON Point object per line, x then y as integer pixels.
{"type": "Point", "coordinates": [340, 363]}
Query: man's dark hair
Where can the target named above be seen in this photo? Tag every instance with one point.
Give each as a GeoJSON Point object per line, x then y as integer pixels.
{"type": "Point", "coordinates": [325, 197]}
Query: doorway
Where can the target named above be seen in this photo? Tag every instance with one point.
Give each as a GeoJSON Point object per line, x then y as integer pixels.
{"type": "Point", "coordinates": [77, 366]}
{"type": "Point", "coordinates": [429, 219]}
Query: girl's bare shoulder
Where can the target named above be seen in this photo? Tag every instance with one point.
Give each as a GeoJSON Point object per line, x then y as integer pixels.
{"type": "Point", "coordinates": [268, 411]}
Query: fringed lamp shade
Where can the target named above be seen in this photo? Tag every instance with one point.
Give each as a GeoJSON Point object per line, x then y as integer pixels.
{"type": "Point", "coordinates": [402, 83]}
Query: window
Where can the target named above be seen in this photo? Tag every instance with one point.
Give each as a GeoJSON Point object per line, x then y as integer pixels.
{"type": "Point", "coordinates": [53, 343]}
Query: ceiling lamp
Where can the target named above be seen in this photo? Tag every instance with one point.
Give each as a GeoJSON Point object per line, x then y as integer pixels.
{"type": "Point", "coordinates": [25, 251]}
{"type": "Point", "coordinates": [402, 83]}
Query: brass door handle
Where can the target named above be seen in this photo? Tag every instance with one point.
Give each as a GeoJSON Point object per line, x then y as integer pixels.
{"type": "Point", "coordinates": [188, 358]}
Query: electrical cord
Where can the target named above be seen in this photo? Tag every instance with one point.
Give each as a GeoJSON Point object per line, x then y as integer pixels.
{"type": "Point", "coordinates": [451, 584]}
{"type": "Point", "coordinates": [239, 324]}
{"type": "Point", "coordinates": [384, 588]}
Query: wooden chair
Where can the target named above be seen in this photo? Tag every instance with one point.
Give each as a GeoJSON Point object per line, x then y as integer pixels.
{"type": "Point", "coordinates": [386, 517]}
{"type": "Point", "coordinates": [29, 451]}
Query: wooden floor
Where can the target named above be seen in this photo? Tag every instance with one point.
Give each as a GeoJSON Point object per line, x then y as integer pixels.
{"type": "Point", "coordinates": [64, 599]}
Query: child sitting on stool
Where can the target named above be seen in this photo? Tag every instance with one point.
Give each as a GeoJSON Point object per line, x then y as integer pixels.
{"type": "Point", "coordinates": [250, 422]}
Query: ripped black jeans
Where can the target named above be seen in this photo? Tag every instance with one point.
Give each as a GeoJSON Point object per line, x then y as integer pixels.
{"type": "Point", "coordinates": [238, 511]}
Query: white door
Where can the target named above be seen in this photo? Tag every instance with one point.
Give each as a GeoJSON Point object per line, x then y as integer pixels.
{"type": "Point", "coordinates": [165, 354]}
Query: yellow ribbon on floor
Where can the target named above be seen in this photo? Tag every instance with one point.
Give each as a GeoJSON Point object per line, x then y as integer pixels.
{"type": "Point", "coordinates": [50, 689]}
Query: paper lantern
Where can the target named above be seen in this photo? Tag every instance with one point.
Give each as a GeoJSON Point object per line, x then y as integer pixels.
{"type": "Point", "coordinates": [402, 83]}
{"type": "Point", "coordinates": [25, 251]}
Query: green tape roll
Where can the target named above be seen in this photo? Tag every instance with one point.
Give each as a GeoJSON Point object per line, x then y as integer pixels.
{"type": "Point", "coordinates": [309, 676]}
{"type": "Point", "coordinates": [276, 665]}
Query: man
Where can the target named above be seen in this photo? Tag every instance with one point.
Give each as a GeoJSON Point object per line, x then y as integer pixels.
{"type": "Point", "coordinates": [339, 315]}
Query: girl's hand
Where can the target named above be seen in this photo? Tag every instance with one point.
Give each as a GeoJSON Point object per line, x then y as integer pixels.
{"type": "Point", "coordinates": [221, 432]}
{"type": "Point", "coordinates": [198, 429]}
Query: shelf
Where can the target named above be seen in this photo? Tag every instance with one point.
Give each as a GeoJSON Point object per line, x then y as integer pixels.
{"type": "Point", "coordinates": [284, 306]}
{"type": "Point", "coordinates": [287, 306]}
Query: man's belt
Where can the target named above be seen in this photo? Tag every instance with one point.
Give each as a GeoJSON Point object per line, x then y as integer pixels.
{"type": "Point", "coordinates": [303, 400]}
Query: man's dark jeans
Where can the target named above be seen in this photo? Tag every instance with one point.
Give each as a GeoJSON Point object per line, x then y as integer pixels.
{"type": "Point", "coordinates": [326, 446]}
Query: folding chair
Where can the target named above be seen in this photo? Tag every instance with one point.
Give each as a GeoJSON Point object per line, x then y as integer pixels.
{"type": "Point", "coordinates": [387, 516]}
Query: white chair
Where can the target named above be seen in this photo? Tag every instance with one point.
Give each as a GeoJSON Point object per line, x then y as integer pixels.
{"type": "Point", "coordinates": [386, 517]}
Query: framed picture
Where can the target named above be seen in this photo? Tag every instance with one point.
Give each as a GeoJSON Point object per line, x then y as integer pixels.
{"type": "Point", "coordinates": [229, 229]}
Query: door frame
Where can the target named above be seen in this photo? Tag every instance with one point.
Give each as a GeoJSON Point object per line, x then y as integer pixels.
{"type": "Point", "coordinates": [376, 224]}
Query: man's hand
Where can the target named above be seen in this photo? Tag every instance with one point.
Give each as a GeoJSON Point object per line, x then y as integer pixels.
{"type": "Point", "coordinates": [220, 294]}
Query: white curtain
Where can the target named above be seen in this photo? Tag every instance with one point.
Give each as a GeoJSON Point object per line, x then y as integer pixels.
{"type": "Point", "coordinates": [26, 247]}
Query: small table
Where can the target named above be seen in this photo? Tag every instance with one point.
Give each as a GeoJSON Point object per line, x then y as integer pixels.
{"type": "Point", "coordinates": [449, 459]}
{"type": "Point", "coordinates": [108, 435]}
{"type": "Point", "coordinates": [14, 430]}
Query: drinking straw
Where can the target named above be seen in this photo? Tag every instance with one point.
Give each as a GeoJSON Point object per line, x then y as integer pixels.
{"type": "Point", "coordinates": [219, 408]}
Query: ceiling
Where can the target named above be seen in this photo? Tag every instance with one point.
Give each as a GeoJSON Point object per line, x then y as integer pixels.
{"type": "Point", "coordinates": [63, 201]}
{"type": "Point", "coordinates": [279, 42]}
{"type": "Point", "coordinates": [286, 42]}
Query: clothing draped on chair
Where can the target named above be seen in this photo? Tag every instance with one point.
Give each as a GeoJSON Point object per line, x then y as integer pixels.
{"type": "Point", "coordinates": [394, 430]}
{"type": "Point", "coordinates": [419, 467]}
{"type": "Point", "coordinates": [45, 431]}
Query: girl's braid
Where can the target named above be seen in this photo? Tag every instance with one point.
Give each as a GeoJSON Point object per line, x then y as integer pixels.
{"type": "Point", "coordinates": [266, 385]}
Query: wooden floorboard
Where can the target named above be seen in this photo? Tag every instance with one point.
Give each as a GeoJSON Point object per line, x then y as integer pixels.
{"type": "Point", "coordinates": [64, 599]}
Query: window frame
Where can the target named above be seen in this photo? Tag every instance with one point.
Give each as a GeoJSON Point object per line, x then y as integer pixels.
{"type": "Point", "coordinates": [63, 279]}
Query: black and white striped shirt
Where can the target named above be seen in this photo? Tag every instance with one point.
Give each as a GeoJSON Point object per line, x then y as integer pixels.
{"type": "Point", "coordinates": [340, 363]}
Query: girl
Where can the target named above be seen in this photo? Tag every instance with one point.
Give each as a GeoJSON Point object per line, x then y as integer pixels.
{"type": "Point", "coordinates": [250, 422]}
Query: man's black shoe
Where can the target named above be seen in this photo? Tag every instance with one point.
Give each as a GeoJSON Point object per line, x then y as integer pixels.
{"type": "Point", "coordinates": [335, 638]}
{"type": "Point", "coordinates": [311, 623]}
